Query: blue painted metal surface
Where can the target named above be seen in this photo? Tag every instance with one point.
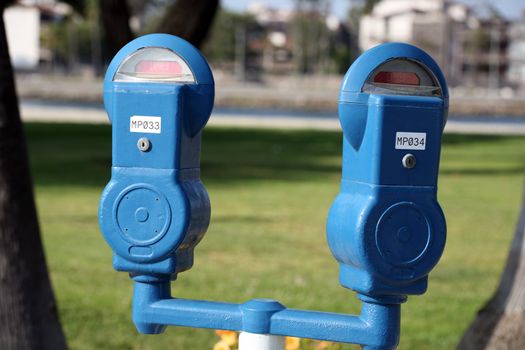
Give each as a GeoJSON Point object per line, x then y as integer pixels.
{"type": "Point", "coordinates": [155, 209]}
{"type": "Point", "coordinates": [385, 228]}
{"type": "Point", "coordinates": [377, 327]}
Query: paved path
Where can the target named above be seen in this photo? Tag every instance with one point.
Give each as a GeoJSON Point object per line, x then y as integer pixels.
{"type": "Point", "coordinates": [34, 111]}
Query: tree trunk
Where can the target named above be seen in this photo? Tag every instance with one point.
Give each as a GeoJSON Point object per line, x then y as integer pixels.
{"type": "Point", "coordinates": [115, 16]}
{"type": "Point", "coordinates": [28, 314]}
{"type": "Point", "coordinates": [190, 19]}
{"type": "Point", "coordinates": [500, 324]}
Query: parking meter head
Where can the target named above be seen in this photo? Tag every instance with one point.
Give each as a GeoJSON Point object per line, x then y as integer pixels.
{"type": "Point", "coordinates": [155, 59]}
{"type": "Point", "coordinates": [388, 69]}
{"type": "Point", "coordinates": [386, 228]}
{"type": "Point", "coordinates": [158, 93]}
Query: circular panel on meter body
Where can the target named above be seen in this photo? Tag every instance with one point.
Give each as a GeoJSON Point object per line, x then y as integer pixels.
{"type": "Point", "coordinates": [403, 234]}
{"type": "Point", "coordinates": [142, 214]}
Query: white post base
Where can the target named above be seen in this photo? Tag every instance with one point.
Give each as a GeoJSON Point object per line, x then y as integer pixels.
{"type": "Point", "coordinates": [252, 341]}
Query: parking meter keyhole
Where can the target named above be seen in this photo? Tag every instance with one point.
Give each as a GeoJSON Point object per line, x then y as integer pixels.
{"type": "Point", "coordinates": [143, 144]}
{"type": "Point", "coordinates": [409, 161]}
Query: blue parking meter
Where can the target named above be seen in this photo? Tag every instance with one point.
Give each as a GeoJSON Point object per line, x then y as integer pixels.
{"type": "Point", "coordinates": [158, 93]}
{"type": "Point", "coordinates": [386, 228]}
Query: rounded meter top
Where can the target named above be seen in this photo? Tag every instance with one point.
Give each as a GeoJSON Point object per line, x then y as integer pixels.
{"type": "Point", "coordinates": [159, 58]}
{"type": "Point", "coordinates": [163, 60]}
{"type": "Point", "coordinates": [393, 69]}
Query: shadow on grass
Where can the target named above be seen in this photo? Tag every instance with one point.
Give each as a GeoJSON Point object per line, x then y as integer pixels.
{"type": "Point", "coordinates": [68, 154]}
{"type": "Point", "coordinates": [454, 139]}
{"type": "Point", "coordinates": [482, 171]}
{"type": "Point", "coordinates": [242, 219]}
{"type": "Point", "coordinates": [62, 154]}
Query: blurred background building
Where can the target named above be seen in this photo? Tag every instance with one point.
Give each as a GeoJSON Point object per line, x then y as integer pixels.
{"type": "Point", "coordinates": [474, 43]}
{"type": "Point", "coordinates": [471, 47]}
{"type": "Point", "coordinates": [516, 53]}
{"type": "Point", "coordinates": [23, 35]}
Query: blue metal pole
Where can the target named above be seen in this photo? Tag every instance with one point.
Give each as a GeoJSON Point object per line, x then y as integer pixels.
{"type": "Point", "coordinates": [377, 327]}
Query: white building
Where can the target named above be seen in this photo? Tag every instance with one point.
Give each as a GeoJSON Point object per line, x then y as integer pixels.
{"type": "Point", "coordinates": [437, 26]}
{"type": "Point", "coordinates": [516, 54]}
{"type": "Point", "coordinates": [23, 23]}
{"type": "Point", "coordinates": [23, 36]}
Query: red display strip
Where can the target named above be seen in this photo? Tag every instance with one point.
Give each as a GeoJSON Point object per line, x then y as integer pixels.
{"type": "Point", "coordinates": [158, 67]}
{"type": "Point", "coordinates": [397, 78]}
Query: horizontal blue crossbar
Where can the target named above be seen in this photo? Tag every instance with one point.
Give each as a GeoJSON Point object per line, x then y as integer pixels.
{"type": "Point", "coordinates": [377, 327]}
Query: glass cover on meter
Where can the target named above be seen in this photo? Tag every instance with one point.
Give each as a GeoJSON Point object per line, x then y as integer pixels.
{"type": "Point", "coordinates": [402, 77]}
{"type": "Point", "coordinates": [154, 65]}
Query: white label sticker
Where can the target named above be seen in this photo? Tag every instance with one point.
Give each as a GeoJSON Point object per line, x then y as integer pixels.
{"type": "Point", "coordinates": [146, 124]}
{"type": "Point", "coordinates": [411, 140]}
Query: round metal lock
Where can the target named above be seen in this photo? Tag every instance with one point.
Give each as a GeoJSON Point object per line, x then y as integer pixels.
{"type": "Point", "coordinates": [409, 161]}
{"type": "Point", "coordinates": [143, 144]}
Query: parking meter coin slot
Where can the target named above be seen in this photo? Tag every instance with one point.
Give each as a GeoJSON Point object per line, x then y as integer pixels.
{"type": "Point", "coordinates": [154, 65]}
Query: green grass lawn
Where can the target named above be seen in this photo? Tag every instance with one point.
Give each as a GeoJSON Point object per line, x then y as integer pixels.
{"type": "Point", "coordinates": [270, 193]}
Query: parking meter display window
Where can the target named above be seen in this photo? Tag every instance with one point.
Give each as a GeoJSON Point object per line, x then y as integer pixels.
{"type": "Point", "coordinates": [402, 77]}
{"type": "Point", "coordinates": [155, 65]}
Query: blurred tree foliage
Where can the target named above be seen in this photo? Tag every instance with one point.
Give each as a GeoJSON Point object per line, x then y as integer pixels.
{"type": "Point", "coordinates": [358, 9]}
{"type": "Point", "coordinates": [189, 19]}
{"type": "Point", "coordinates": [75, 40]}
{"type": "Point", "coordinates": [341, 59]}
{"type": "Point", "coordinates": [311, 36]}
{"type": "Point", "coordinates": [101, 27]}
{"type": "Point", "coordinates": [115, 18]}
{"type": "Point", "coordinates": [479, 40]}
{"type": "Point", "coordinates": [369, 6]}
{"type": "Point", "coordinates": [97, 29]}
{"type": "Point", "coordinates": [70, 40]}
{"type": "Point", "coordinates": [221, 46]}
